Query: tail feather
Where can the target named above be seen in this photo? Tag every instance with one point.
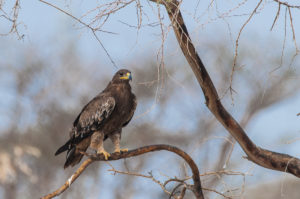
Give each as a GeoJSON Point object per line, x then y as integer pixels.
{"type": "Point", "coordinates": [73, 157]}
{"type": "Point", "coordinates": [63, 148]}
{"type": "Point", "coordinates": [73, 147]}
{"type": "Point", "coordinates": [73, 141]}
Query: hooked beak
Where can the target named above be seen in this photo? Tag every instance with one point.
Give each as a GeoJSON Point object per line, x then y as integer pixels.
{"type": "Point", "coordinates": [128, 76]}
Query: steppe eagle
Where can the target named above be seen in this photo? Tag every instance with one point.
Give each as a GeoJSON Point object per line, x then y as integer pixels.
{"type": "Point", "coordinates": [103, 117]}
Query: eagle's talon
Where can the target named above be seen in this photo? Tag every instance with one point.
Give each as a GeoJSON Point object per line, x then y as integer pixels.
{"type": "Point", "coordinates": [124, 150]}
{"type": "Point", "coordinates": [105, 153]}
{"type": "Point", "coordinates": [120, 150]}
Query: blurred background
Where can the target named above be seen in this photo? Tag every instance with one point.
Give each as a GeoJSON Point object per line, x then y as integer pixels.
{"type": "Point", "coordinates": [51, 66]}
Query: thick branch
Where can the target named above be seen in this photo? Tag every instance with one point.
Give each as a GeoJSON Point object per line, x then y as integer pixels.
{"type": "Point", "coordinates": [262, 157]}
{"type": "Point", "coordinates": [197, 190]}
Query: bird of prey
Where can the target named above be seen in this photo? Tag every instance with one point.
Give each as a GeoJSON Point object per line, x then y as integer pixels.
{"type": "Point", "coordinates": [103, 117]}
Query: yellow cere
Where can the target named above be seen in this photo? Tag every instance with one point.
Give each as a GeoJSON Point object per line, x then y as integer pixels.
{"type": "Point", "coordinates": [125, 77]}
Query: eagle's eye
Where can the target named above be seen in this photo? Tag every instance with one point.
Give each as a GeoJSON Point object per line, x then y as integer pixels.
{"type": "Point", "coordinates": [121, 73]}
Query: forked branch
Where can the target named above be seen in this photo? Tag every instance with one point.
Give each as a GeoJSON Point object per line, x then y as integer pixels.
{"type": "Point", "coordinates": [262, 157]}
{"type": "Point", "coordinates": [196, 188]}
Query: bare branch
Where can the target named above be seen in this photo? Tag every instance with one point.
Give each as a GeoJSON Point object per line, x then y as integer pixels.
{"type": "Point", "coordinates": [237, 43]}
{"type": "Point", "coordinates": [276, 17]}
{"type": "Point", "coordinates": [180, 181]}
{"type": "Point", "coordinates": [12, 19]}
{"type": "Point", "coordinates": [260, 156]}
{"type": "Point", "coordinates": [287, 4]}
{"type": "Point", "coordinates": [293, 30]}
{"type": "Point", "coordinates": [68, 183]}
{"type": "Point", "coordinates": [197, 190]}
{"type": "Point", "coordinates": [86, 25]}
{"type": "Point", "coordinates": [288, 8]}
{"type": "Point", "coordinates": [150, 176]}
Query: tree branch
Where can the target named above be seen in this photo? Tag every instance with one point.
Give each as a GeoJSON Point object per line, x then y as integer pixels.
{"type": "Point", "coordinates": [86, 25]}
{"type": "Point", "coordinates": [287, 4]}
{"type": "Point", "coordinates": [197, 190]}
{"type": "Point", "coordinates": [262, 157]}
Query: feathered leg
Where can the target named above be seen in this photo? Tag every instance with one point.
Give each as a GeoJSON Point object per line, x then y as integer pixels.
{"type": "Point", "coordinates": [97, 144]}
{"type": "Point", "coordinates": [115, 138]}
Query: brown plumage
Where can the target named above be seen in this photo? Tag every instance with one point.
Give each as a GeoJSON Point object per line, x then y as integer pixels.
{"type": "Point", "coordinates": [103, 117]}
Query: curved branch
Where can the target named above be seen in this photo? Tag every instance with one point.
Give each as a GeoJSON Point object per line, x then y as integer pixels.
{"type": "Point", "coordinates": [197, 190]}
{"type": "Point", "coordinates": [68, 183]}
{"type": "Point", "coordinates": [262, 157]}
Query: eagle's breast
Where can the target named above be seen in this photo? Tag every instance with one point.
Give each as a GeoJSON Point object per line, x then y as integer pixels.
{"type": "Point", "coordinates": [123, 110]}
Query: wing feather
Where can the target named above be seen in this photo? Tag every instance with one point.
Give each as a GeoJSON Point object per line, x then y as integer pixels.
{"type": "Point", "coordinates": [131, 111]}
{"type": "Point", "coordinates": [99, 109]}
{"type": "Point", "coordinates": [90, 118]}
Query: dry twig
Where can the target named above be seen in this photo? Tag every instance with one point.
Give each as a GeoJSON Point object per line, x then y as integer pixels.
{"type": "Point", "coordinates": [94, 30]}
{"type": "Point", "coordinates": [287, 4]}
{"type": "Point", "coordinates": [237, 44]}
{"type": "Point", "coordinates": [180, 181]}
{"type": "Point", "coordinates": [12, 18]}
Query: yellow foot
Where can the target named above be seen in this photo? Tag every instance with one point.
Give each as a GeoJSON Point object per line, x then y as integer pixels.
{"type": "Point", "coordinates": [105, 153]}
{"type": "Point", "coordinates": [120, 150]}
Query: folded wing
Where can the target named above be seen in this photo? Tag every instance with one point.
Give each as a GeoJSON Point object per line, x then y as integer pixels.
{"type": "Point", "coordinates": [92, 116]}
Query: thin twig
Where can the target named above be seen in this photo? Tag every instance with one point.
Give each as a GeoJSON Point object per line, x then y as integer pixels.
{"type": "Point", "coordinates": [13, 19]}
{"type": "Point", "coordinates": [86, 25]}
{"type": "Point", "coordinates": [181, 181]}
{"type": "Point", "coordinates": [287, 4]}
{"type": "Point", "coordinates": [293, 30]}
{"type": "Point", "coordinates": [276, 17]}
{"type": "Point", "coordinates": [237, 44]}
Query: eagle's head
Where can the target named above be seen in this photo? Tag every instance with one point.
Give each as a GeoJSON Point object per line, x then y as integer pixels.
{"type": "Point", "coordinates": [122, 75]}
